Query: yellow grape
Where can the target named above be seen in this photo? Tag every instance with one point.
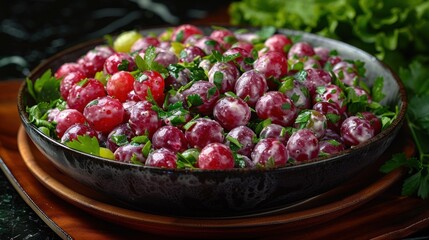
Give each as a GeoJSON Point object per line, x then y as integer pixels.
{"type": "Point", "coordinates": [125, 41]}
{"type": "Point", "coordinates": [106, 153]}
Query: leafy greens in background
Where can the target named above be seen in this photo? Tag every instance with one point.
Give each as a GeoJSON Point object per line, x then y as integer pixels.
{"type": "Point", "coordinates": [395, 31]}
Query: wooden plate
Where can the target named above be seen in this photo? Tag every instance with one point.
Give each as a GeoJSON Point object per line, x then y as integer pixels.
{"type": "Point", "coordinates": [359, 190]}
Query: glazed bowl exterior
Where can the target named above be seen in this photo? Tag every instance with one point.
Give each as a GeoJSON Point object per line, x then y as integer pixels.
{"type": "Point", "coordinates": [222, 193]}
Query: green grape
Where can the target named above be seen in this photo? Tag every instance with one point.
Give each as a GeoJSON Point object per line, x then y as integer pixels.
{"type": "Point", "coordinates": [106, 153]}
{"type": "Point", "coordinates": [125, 41]}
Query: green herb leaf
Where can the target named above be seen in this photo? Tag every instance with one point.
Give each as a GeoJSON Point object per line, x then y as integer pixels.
{"type": "Point", "coordinates": [194, 100]}
{"type": "Point", "coordinates": [119, 140]}
{"type": "Point", "coordinates": [85, 144]}
{"type": "Point", "coordinates": [123, 66]}
{"type": "Point", "coordinates": [301, 76]}
{"type": "Point", "coordinates": [266, 32]}
{"type": "Point", "coordinates": [418, 112]}
{"type": "Point", "coordinates": [148, 62]}
{"type": "Point", "coordinates": [180, 36]}
{"type": "Point", "coordinates": [134, 160]}
{"type": "Point", "coordinates": [423, 190]}
{"type": "Point", "coordinates": [187, 159]}
{"type": "Point", "coordinates": [377, 89]}
{"type": "Point", "coordinates": [261, 125]}
{"type": "Point", "coordinates": [334, 118]}
{"type": "Point", "coordinates": [147, 149]}
{"type": "Point", "coordinates": [109, 40]}
{"type": "Point", "coordinates": [286, 106]}
{"type": "Point", "coordinates": [38, 115]}
{"type": "Point", "coordinates": [211, 92]}
{"type": "Point", "coordinates": [218, 79]}
{"type": "Point", "coordinates": [270, 163]}
{"type": "Point", "coordinates": [287, 84]}
{"type": "Point", "coordinates": [303, 118]}
{"type": "Point", "coordinates": [239, 161]}
{"type": "Point", "coordinates": [397, 160]}
{"type": "Point", "coordinates": [140, 139]}
{"type": "Point", "coordinates": [235, 145]}
{"type": "Point", "coordinates": [412, 184]}
{"type": "Point", "coordinates": [45, 88]}
{"type": "Point", "coordinates": [191, 123]}
{"type": "Point", "coordinates": [415, 78]}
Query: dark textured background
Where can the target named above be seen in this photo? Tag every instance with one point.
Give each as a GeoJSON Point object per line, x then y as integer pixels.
{"type": "Point", "coordinates": [31, 30]}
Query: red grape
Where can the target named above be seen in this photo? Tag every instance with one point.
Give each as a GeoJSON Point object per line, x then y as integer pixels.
{"type": "Point", "coordinates": [119, 62]}
{"type": "Point", "coordinates": [313, 120]}
{"type": "Point", "coordinates": [313, 78]}
{"type": "Point", "coordinates": [104, 114]}
{"type": "Point", "coordinates": [250, 86]}
{"type": "Point", "coordinates": [277, 107]}
{"type": "Point", "coordinates": [224, 36]}
{"type": "Point", "coordinates": [269, 153]}
{"type": "Point", "coordinates": [183, 32]}
{"type": "Point", "coordinates": [143, 43]}
{"type": "Point", "coordinates": [278, 42]}
{"type": "Point", "coordinates": [93, 61]}
{"type": "Point", "coordinates": [171, 138]}
{"type": "Point", "coordinates": [355, 130]}
{"type": "Point", "coordinates": [130, 152]}
{"type": "Point", "coordinates": [68, 81]}
{"type": "Point", "coordinates": [68, 68]}
{"type": "Point", "coordinates": [162, 158]}
{"type": "Point", "coordinates": [272, 65]}
{"type": "Point", "coordinates": [84, 92]}
{"type": "Point", "coordinates": [208, 45]}
{"type": "Point", "coordinates": [143, 120]}
{"type": "Point", "coordinates": [374, 121]}
{"type": "Point", "coordinates": [231, 112]}
{"type": "Point", "coordinates": [203, 132]}
{"type": "Point", "coordinates": [150, 80]}
{"type": "Point", "coordinates": [245, 59]}
{"type": "Point", "coordinates": [346, 72]}
{"type": "Point", "coordinates": [277, 132]}
{"type": "Point", "coordinates": [66, 118]}
{"type": "Point", "coordinates": [245, 137]}
{"type": "Point", "coordinates": [120, 84]}
{"type": "Point", "coordinates": [78, 129]}
{"type": "Point", "coordinates": [303, 145]}
{"type": "Point", "coordinates": [201, 97]}
{"type": "Point", "coordinates": [301, 49]}
{"type": "Point", "coordinates": [119, 136]}
{"type": "Point", "coordinates": [216, 156]}
{"type": "Point", "coordinates": [189, 53]}
{"type": "Point", "coordinates": [223, 75]}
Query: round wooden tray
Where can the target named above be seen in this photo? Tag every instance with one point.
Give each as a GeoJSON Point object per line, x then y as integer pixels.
{"type": "Point", "coordinates": [319, 209]}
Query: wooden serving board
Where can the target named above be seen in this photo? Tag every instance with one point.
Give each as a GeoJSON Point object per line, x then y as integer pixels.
{"type": "Point", "coordinates": [371, 210]}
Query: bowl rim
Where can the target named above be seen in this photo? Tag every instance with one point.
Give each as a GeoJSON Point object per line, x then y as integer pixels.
{"type": "Point", "coordinates": [396, 123]}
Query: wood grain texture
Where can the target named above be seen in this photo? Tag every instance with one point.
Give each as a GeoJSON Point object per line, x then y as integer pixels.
{"type": "Point", "coordinates": [387, 216]}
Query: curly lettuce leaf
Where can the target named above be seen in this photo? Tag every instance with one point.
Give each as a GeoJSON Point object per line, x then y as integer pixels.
{"type": "Point", "coordinates": [394, 30]}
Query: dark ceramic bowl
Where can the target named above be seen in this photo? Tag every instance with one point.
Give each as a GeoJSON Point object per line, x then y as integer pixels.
{"type": "Point", "coordinates": [203, 193]}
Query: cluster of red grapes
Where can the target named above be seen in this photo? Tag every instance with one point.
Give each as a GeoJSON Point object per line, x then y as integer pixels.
{"type": "Point", "coordinates": [216, 101]}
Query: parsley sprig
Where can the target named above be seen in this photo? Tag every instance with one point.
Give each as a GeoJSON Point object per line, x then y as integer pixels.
{"type": "Point", "coordinates": [415, 79]}
{"type": "Point", "coordinates": [45, 92]}
{"type": "Point", "coordinates": [148, 62]}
